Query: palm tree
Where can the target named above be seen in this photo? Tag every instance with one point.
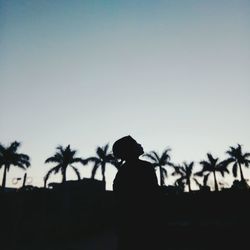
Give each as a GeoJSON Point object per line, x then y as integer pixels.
{"type": "Point", "coordinates": [211, 167]}
{"type": "Point", "coordinates": [161, 161]}
{"type": "Point", "coordinates": [64, 157]}
{"type": "Point", "coordinates": [9, 156]}
{"type": "Point", "coordinates": [103, 157]}
{"type": "Point", "coordinates": [185, 172]}
{"type": "Point", "coordinates": [238, 158]}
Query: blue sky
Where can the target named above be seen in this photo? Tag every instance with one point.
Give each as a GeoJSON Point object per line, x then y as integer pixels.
{"type": "Point", "coordinates": [170, 73]}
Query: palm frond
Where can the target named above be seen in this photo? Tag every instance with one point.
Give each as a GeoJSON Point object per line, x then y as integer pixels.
{"type": "Point", "coordinates": [164, 172]}
{"type": "Point", "coordinates": [239, 149]}
{"type": "Point", "coordinates": [197, 182]}
{"type": "Point", "coordinates": [93, 173]}
{"type": "Point", "coordinates": [92, 159]}
{"type": "Point", "coordinates": [212, 159]}
{"type": "Point", "coordinates": [77, 172]}
{"type": "Point", "coordinates": [179, 181]}
{"type": "Point", "coordinates": [227, 161]}
{"type": "Point", "coordinates": [188, 166]}
{"type": "Point", "coordinates": [20, 165]}
{"type": "Point", "coordinates": [247, 163]}
{"type": "Point", "coordinates": [199, 173]}
{"type": "Point", "coordinates": [156, 156]}
{"type": "Point", "coordinates": [178, 171]}
{"type": "Point", "coordinates": [206, 166]}
{"type": "Point", "coordinates": [165, 156]}
{"type": "Point", "coordinates": [46, 177]}
{"type": "Point", "coordinates": [59, 168]}
{"type": "Point", "coordinates": [14, 146]}
{"type": "Point", "coordinates": [109, 158]}
{"type": "Point", "coordinates": [105, 148]}
{"type": "Point", "coordinates": [2, 148]}
{"type": "Point", "coordinates": [205, 179]}
{"type": "Point", "coordinates": [70, 152]}
{"type": "Point", "coordinates": [60, 149]}
{"type": "Point", "coordinates": [1, 163]}
{"type": "Point", "coordinates": [100, 152]}
{"type": "Point", "coordinates": [166, 151]}
{"type": "Point", "coordinates": [53, 159]}
{"type": "Point", "coordinates": [246, 155]}
{"type": "Point", "coordinates": [221, 172]}
{"type": "Point", "coordinates": [191, 165]}
{"type": "Point", "coordinates": [84, 162]}
{"type": "Point", "coordinates": [25, 162]}
{"type": "Point", "coordinates": [235, 169]}
{"type": "Point", "coordinates": [226, 170]}
{"type": "Point", "coordinates": [77, 160]}
{"type": "Point", "coordinates": [24, 157]}
{"type": "Point", "coordinates": [151, 157]}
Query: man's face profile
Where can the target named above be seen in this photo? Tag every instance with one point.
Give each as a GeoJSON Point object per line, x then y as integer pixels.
{"type": "Point", "coordinates": [127, 148]}
{"type": "Point", "coordinates": [137, 148]}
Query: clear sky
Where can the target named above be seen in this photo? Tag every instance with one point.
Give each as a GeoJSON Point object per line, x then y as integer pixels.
{"type": "Point", "coordinates": [170, 73]}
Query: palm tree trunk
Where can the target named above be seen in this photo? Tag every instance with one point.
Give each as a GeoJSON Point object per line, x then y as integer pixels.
{"type": "Point", "coordinates": [241, 173]}
{"type": "Point", "coordinates": [189, 185]}
{"type": "Point", "coordinates": [215, 182]}
{"type": "Point", "coordinates": [4, 176]}
{"type": "Point", "coordinates": [24, 179]}
{"type": "Point", "coordinates": [103, 175]}
{"type": "Point", "coordinates": [161, 176]}
{"type": "Point", "coordinates": [64, 175]}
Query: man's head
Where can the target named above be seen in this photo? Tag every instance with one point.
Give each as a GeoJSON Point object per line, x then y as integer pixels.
{"type": "Point", "coordinates": [127, 148]}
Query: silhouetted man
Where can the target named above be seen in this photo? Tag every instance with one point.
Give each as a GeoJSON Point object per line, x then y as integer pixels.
{"type": "Point", "coordinates": [137, 192]}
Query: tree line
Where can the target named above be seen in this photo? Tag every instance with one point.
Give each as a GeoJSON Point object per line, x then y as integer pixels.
{"type": "Point", "coordinates": [65, 158]}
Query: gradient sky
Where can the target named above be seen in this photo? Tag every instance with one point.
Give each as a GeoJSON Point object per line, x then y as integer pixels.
{"type": "Point", "coordinates": [170, 73]}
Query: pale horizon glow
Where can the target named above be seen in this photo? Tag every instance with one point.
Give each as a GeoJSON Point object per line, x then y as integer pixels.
{"type": "Point", "coordinates": [85, 73]}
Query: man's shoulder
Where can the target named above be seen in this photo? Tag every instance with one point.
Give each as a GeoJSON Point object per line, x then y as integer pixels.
{"type": "Point", "coordinates": [146, 163]}
{"type": "Point", "coordinates": [127, 168]}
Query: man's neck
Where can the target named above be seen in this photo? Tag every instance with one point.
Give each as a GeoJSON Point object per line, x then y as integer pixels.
{"type": "Point", "coordinates": [132, 160]}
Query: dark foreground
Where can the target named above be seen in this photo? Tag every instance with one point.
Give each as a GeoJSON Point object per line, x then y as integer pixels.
{"type": "Point", "coordinates": [65, 220]}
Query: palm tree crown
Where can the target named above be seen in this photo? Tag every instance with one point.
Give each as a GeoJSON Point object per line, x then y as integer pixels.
{"type": "Point", "coordinates": [238, 158]}
{"type": "Point", "coordinates": [9, 156]}
{"type": "Point", "coordinates": [64, 157]}
{"type": "Point", "coordinates": [161, 161]}
{"type": "Point", "coordinates": [211, 166]}
{"type": "Point", "coordinates": [103, 156]}
{"type": "Point", "coordinates": [185, 172]}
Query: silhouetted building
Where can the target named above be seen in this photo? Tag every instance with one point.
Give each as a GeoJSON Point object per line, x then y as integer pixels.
{"type": "Point", "coordinates": [84, 185]}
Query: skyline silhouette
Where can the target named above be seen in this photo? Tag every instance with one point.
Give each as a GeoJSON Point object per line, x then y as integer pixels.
{"type": "Point", "coordinates": [182, 175]}
{"type": "Point", "coordinates": [76, 71]}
